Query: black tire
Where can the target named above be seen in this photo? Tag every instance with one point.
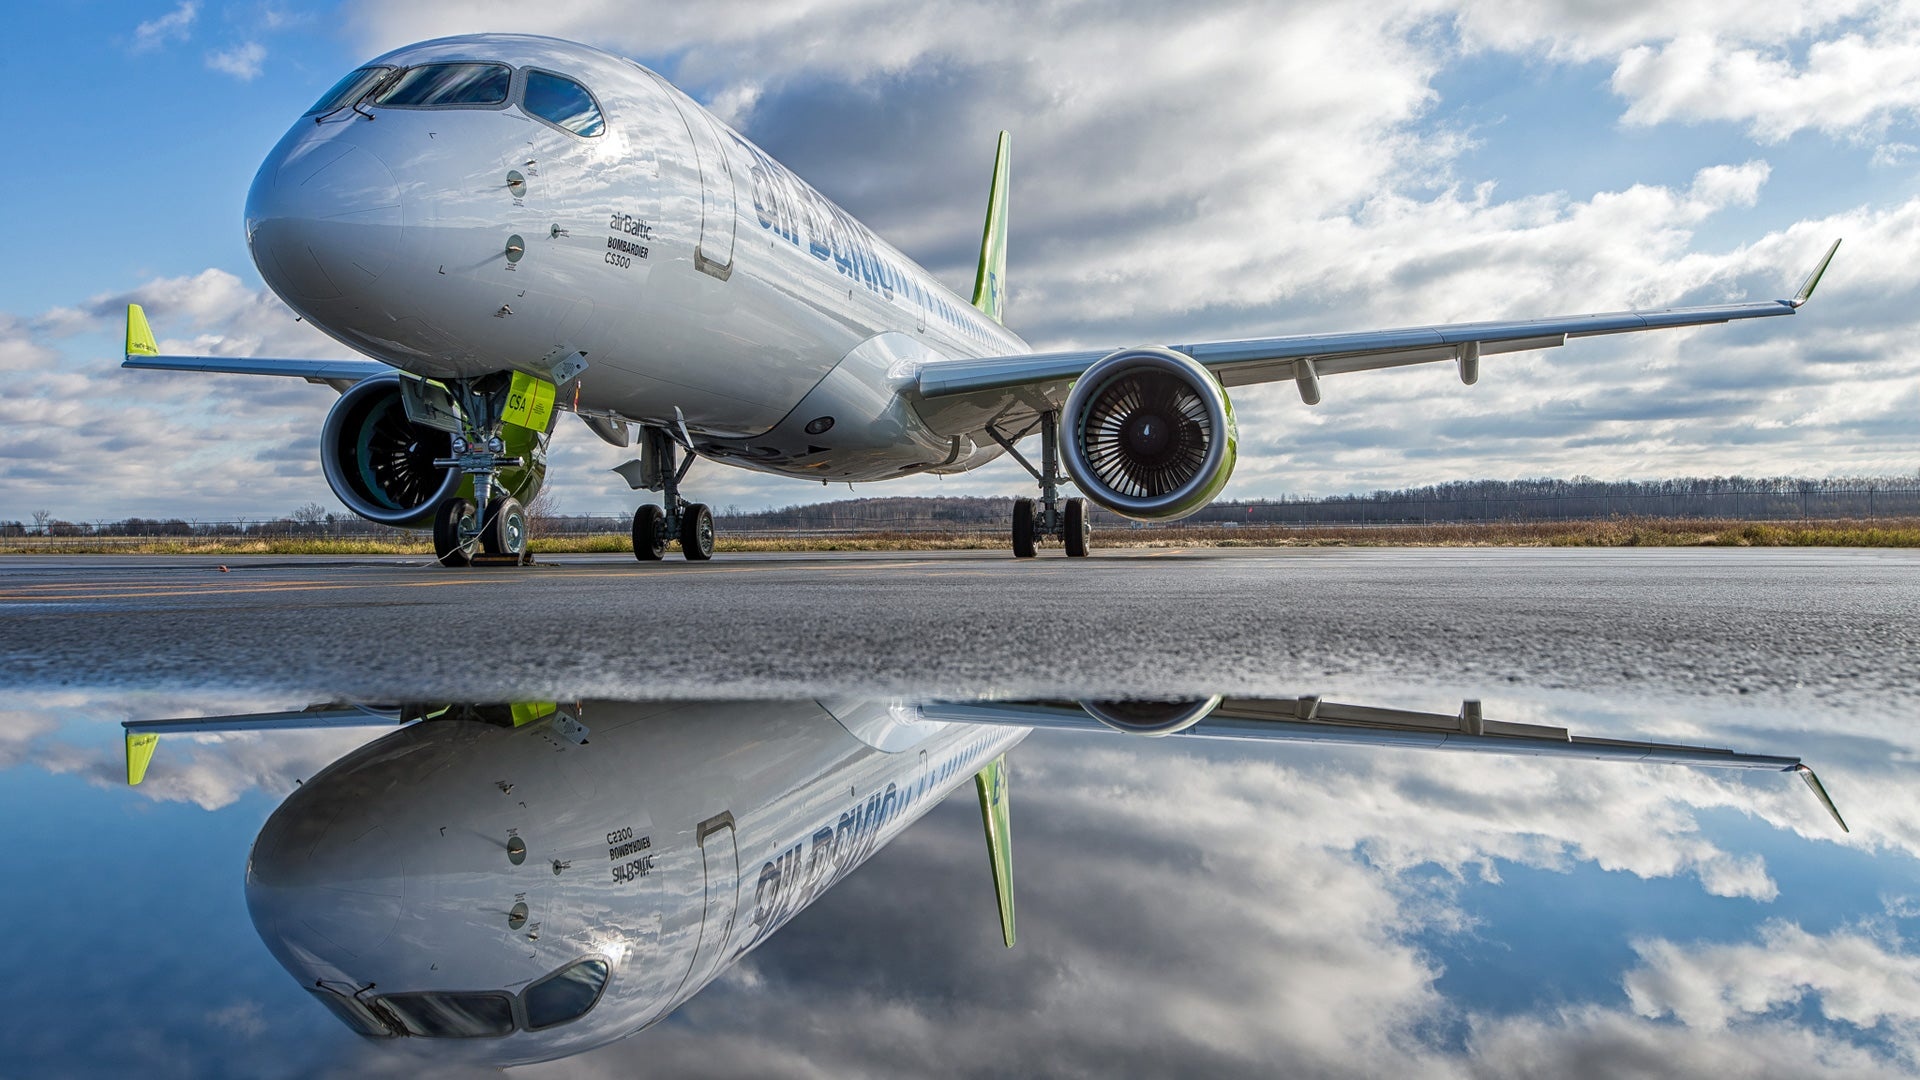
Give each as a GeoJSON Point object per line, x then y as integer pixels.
{"type": "Point", "coordinates": [696, 532]}
{"type": "Point", "coordinates": [506, 531]}
{"type": "Point", "coordinates": [1079, 529]}
{"type": "Point", "coordinates": [649, 533]}
{"type": "Point", "coordinates": [1023, 538]}
{"type": "Point", "coordinates": [448, 545]}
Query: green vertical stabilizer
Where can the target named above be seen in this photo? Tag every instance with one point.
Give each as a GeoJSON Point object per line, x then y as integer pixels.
{"type": "Point", "coordinates": [989, 285]}
{"type": "Point", "coordinates": [992, 782]}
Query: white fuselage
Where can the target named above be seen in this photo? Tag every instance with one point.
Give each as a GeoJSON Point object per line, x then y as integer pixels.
{"type": "Point", "coordinates": [667, 840]}
{"type": "Point", "coordinates": [692, 270]}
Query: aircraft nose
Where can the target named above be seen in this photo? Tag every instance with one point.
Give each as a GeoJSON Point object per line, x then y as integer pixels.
{"type": "Point", "coordinates": [327, 884]}
{"type": "Point", "coordinates": [323, 221]}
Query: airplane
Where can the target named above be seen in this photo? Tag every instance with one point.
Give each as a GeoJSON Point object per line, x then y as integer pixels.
{"type": "Point", "coordinates": [511, 883]}
{"type": "Point", "coordinates": [511, 227]}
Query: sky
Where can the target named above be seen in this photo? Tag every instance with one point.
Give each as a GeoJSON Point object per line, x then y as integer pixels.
{"type": "Point", "coordinates": [1221, 908]}
{"type": "Point", "coordinates": [1181, 172]}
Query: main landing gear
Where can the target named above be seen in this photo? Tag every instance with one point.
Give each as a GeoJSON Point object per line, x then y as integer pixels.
{"type": "Point", "coordinates": [675, 519]}
{"type": "Point", "coordinates": [492, 528]}
{"type": "Point", "coordinates": [1049, 517]}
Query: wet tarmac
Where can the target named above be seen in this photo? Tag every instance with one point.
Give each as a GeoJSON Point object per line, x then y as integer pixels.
{"type": "Point", "coordinates": [1840, 629]}
{"type": "Point", "coordinates": [385, 812]}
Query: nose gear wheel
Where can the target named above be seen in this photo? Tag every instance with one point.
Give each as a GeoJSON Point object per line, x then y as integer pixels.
{"type": "Point", "coordinates": [506, 529]}
{"type": "Point", "coordinates": [454, 535]}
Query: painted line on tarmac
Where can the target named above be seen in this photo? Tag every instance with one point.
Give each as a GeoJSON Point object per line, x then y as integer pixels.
{"type": "Point", "coordinates": [92, 591]}
{"type": "Point", "coordinates": [160, 593]}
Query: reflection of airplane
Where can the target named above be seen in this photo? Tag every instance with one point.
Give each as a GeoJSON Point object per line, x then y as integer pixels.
{"type": "Point", "coordinates": [513, 225]}
{"type": "Point", "coordinates": [534, 880]}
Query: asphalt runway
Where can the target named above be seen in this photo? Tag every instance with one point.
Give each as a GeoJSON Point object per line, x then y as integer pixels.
{"type": "Point", "coordinates": [1838, 627]}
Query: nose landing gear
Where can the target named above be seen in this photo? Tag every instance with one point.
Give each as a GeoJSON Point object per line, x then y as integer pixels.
{"type": "Point", "coordinates": [675, 519]}
{"type": "Point", "coordinates": [1049, 516]}
{"type": "Point", "coordinates": [492, 528]}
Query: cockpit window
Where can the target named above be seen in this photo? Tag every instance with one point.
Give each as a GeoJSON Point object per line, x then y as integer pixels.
{"type": "Point", "coordinates": [449, 84]}
{"type": "Point", "coordinates": [564, 102]}
{"type": "Point", "coordinates": [349, 90]}
{"type": "Point", "coordinates": [452, 1016]}
{"type": "Point", "coordinates": [352, 1013]}
{"type": "Point", "coordinates": [566, 995]}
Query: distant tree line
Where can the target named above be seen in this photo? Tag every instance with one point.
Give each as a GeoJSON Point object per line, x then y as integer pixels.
{"type": "Point", "coordinates": [1724, 497]}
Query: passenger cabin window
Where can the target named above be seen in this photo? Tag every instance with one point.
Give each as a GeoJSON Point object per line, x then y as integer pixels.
{"type": "Point", "coordinates": [349, 90]}
{"type": "Point", "coordinates": [449, 84]}
{"type": "Point", "coordinates": [452, 1016]}
{"type": "Point", "coordinates": [563, 102]}
{"type": "Point", "coordinates": [566, 995]}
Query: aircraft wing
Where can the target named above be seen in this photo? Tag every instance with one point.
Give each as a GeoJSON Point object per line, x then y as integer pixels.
{"type": "Point", "coordinates": [1310, 719]}
{"type": "Point", "coordinates": [1306, 357]}
{"type": "Point", "coordinates": [144, 353]}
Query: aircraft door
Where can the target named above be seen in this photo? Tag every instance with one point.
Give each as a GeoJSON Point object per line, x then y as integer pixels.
{"type": "Point", "coordinates": [720, 855]}
{"type": "Point", "coordinates": [713, 254]}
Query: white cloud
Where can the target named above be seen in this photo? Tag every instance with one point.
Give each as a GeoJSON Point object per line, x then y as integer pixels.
{"type": "Point", "coordinates": [242, 61]}
{"type": "Point", "coordinates": [175, 25]}
{"type": "Point", "coordinates": [1853, 976]}
{"type": "Point", "coordinates": [1848, 86]}
{"type": "Point", "coordinates": [94, 441]}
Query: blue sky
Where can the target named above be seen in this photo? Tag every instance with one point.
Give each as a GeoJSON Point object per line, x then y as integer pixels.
{"type": "Point", "coordinates": [1222, 170]}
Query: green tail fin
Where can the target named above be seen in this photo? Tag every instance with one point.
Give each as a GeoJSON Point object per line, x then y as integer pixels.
{"type": "Point", "coordinates": [990, 283]}
{"type": "Point", "coordinates": [992, 782]}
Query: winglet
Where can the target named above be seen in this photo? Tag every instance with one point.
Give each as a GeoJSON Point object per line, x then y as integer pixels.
{"type": "Point", "coordinates": [1819, 790]}
{"type": "Point", "coordinates": [992, 783]}
{"type": "Point", "coordinates": [139, 751]}
{"type": "Point", "coordinates": [992, 277]}
{"type": "Point", "coordinates": [1813, 280]}
{"type": "Point", "coordinates": [139, 335]}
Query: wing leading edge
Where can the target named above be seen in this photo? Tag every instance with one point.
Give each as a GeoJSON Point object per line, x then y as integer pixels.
{"type": "Point", "coordinates": [1306, 357]}
{"type": "Point", "coordinates": [143, 353]}
{"type": "Point", "coordinates": [1311, 719]}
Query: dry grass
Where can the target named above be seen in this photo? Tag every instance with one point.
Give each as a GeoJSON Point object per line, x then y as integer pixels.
{"type": "Point", "coordinates": [1612, 532]}
{"type": "Point", "coordinates": [1616, 532]}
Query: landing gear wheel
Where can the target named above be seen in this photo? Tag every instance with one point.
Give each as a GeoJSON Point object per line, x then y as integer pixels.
{"type": "Point", "coordinates": [1079, 530]}
{"type": "Point", "coordinates": [696, 532]}
{"type": "Point", "coordinates": [649, 533]}
{"type": "Point", "coordinates": [1023, 537]}
{"type": "Point", "coordinates": [506, 531]}
{"type": "Point", "coordinates": [453, 540]}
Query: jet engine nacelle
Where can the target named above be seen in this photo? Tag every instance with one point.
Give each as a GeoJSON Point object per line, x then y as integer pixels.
{"type": "Point", "coordinates": [1148, 433]}
{"type": "Point", "coordinates": [381, 464]}
{"type": "Point", "coordinates": [1151, 718]}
